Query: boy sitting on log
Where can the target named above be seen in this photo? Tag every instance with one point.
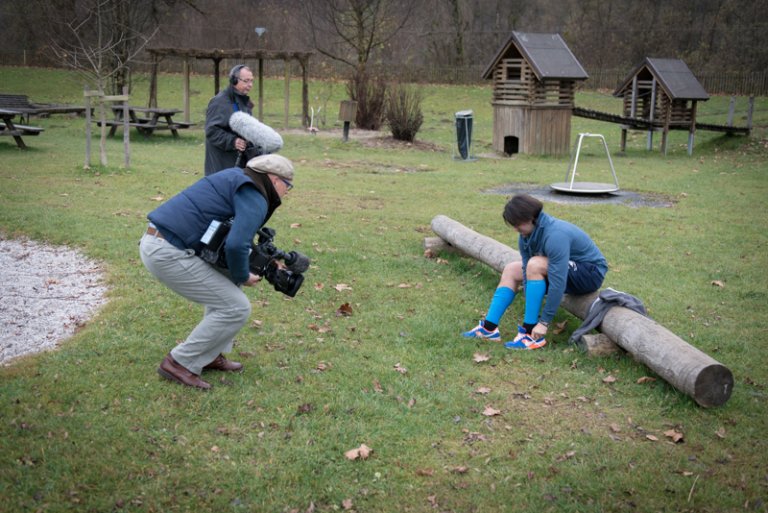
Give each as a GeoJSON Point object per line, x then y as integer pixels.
{"type": "Point", "coordinates": [557, 258]}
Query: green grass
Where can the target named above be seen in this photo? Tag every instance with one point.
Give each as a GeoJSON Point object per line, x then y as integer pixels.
{"type": "Point", "coordinates": [91, 427]}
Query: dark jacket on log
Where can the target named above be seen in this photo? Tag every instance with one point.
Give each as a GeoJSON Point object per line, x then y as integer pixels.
{"type": "Point", "coordinates": [606, 300]}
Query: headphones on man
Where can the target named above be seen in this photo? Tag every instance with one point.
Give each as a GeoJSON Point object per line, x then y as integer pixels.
{"type": "Point", "coordinates": [234, 74]}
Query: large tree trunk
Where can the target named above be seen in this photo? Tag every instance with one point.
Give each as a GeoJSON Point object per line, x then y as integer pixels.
{"type": "Point", "coordinates": [683, 366]}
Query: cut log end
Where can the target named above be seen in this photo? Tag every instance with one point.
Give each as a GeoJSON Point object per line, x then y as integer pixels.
{"type": "Point", "coordinates": [714, 385]}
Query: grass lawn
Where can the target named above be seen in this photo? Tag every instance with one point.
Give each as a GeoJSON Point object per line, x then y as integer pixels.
{"type": "Point", "coordinates": [92, 427]}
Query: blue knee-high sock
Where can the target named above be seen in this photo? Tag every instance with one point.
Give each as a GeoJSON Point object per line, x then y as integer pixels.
{"type": "Point", "coordinates": [534, 296]}
{"type": "Point", "coordinates": [502, 298]}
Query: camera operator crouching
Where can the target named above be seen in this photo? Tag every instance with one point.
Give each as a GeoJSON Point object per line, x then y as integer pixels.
{"type": "Point", "coordinates": [172, 246]}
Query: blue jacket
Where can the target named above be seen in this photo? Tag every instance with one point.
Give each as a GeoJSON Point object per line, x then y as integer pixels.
{"type": "Point", "coordinates": [185, 217]}
{"type": "Point", "coordinates": [561, 242]}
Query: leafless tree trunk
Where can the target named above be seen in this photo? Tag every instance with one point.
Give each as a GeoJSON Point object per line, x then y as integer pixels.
{"type": "Point", "coordinates": [352, 31]}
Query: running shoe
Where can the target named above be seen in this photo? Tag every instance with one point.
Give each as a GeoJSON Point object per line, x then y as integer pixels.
{"type": "Point", "coordinates": [480, 332]}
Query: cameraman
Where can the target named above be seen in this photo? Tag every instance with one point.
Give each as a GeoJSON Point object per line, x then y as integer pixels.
{"type": "Point", "coordinates": [171, 245]}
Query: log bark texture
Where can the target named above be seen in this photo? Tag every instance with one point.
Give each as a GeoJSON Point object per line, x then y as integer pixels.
{"type": "Point", "coordinates": [683, 366]}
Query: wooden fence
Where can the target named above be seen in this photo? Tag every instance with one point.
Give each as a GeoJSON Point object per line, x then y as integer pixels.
{"type": "Point", "coordinates": [742, 83]}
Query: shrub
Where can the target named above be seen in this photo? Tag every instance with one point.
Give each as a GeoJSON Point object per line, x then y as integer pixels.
{"type": "Point", "coordinates": [370, 93]}
{"type": "Point", "coordinates": [404, 112]}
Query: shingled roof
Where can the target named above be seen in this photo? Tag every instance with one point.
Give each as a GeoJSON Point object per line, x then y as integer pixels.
{"type": "Point", "coordinates": [674, 77]}
{"type": "Point", "coordinates": [547, 54]}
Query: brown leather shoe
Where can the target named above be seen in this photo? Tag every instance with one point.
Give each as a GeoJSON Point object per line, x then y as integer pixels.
{"type": "Point", "coordinates": [170, 369]}
{"type": "Point", "coordinates": [222, 364]}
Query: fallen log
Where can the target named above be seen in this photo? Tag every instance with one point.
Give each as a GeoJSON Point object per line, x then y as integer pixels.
{"type": "Point", "coordinates": [683, 366]}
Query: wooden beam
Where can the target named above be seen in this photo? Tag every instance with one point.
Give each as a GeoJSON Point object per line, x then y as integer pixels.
{"type": "Point", "coordinates": [683, 366]}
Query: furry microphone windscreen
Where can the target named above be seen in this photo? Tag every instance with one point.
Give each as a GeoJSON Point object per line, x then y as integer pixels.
{"type": "Point", "coordinates": [255, 132]}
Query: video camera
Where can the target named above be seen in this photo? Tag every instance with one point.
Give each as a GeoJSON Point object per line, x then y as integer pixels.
{"type": "Point", "coordinates": [262, 259]}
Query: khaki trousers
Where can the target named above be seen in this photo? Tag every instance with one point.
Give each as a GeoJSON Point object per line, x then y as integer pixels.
{"type": "Point", "coordinates": [227, 308]}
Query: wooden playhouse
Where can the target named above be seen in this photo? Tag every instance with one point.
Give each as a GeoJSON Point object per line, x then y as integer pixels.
{"type": "Point", "coordinates": [534, 83]}
{"type": "Point", "coordinates": [663, 93]}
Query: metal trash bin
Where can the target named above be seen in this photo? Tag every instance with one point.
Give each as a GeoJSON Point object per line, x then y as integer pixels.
{"type": "Point", "coordinates": [464, 133]}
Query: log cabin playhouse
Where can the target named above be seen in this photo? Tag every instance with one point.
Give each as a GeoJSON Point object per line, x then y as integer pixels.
{"type": "Point", "coordinates": [534, 83]}
{"type": "Point", "coordinates": [663, 93]}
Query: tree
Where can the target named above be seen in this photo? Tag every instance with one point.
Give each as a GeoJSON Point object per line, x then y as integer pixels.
{"type": "Point", "coordinates": [352, 31]}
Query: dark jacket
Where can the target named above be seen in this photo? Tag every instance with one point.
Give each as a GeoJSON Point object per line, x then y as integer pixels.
{"type": "Point", "coordinates": [220, 152]}
{"type": "Point", "coordinates": [606, 300]}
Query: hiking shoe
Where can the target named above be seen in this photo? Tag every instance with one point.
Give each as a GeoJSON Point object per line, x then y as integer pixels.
{"type": "Point", "coordinates": [524, 341]}
{"type": "Point", "coordinates": [480, 332]}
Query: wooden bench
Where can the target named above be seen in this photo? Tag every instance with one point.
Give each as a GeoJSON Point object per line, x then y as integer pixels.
{"type": "Point", "coordinates": [21, 104]}
{"type": "Point", "coordinates": [24, 129]}
{"type": "Point", "coordinates": [9, 128]}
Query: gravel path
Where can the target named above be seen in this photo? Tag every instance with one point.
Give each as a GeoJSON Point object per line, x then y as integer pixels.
{"type": "Point", "coordinates": [46, 294]}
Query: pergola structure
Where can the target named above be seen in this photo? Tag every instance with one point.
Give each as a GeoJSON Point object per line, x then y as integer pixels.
{"type": "Point", "coordinates": [217, 56]}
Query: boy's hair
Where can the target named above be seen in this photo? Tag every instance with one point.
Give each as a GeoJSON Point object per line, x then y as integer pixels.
{"type": "Point", "coordinates": [522, 208]}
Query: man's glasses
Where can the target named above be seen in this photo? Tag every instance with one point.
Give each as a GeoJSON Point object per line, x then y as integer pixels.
{"type": "Point", "coordinates": [247, 80]}
{"type": "Point", "coordinates": [288, 185]}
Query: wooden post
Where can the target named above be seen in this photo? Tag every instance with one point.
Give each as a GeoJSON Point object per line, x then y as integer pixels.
{"type": "Point", "coordinates": [261, 89]}
{"type": "Point", "coordinates": [216, 67]}
{"type": "Point", "coordinates": [286, 92]}
{"type": "Point", "coordinates": [153, 82]}
{"type": "Point", "coordinates": [692, 128]}
{"type": "Point", "coordinates": [651, 114]}
{"type": "Point", "coordinates": [87, 94]}
{"type": "Point", "coordinates": [347, 112]}
{"type": "Point", "coordinates": [126, 130]}
{"type": "Point", "coordinates": [731, 110]}
{"type": "Point", "coordinates": [304, 92]}
{"type": "Point", "coordinates": [186, 89]}
{"type": "Point", "coordinates": [683, 366]}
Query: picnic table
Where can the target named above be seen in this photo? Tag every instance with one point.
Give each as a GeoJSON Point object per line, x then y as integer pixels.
{"type": "Point", "coordinates": [16, 131]}
{"type": "Point", "coordinates": [146, 120]}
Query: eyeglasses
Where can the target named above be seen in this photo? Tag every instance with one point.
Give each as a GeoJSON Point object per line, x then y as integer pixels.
{"type": "Point", "coordinates": [288, 185]}
{"type": "Point", "coordinates": [247, 80]}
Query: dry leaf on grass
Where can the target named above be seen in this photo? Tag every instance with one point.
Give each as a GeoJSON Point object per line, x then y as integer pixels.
{"type": "Point", "coordinates": [480, 357]}
{"type": "Point", "coordinates": [609, 379]}
{"type": "Point", "coordinates": [361, 452]}
{"type": "Point", "coordinates": [483, 390]}
{"type": "Point", "coordinates": [490, 411]}
{"type": "Point", "coordinates": [675, 436]}
{"type": "Point", "coordinates": [718, 283]}
{"type": "Point", "coordinates": [645, 379]}
{"type": "Point", "coordinates": [560, 327]}
{"type": "Point", "coordinates": [344, 310]}
{"type": "Point", "coordinates": [399, 368]}
{"type": "Point", "coordinates": [342, 287]}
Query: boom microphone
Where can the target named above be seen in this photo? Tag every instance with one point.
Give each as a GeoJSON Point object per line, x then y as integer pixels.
{"type": "Point", "coordinates": [252, 130]}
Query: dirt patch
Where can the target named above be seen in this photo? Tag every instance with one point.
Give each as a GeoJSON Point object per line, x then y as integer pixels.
{"type": "Point", "coordinates": [49, 292]}
{"type": "Point", "coordinates": [368, 139]}
{"type": "Point", "coordinates": [621, 197]}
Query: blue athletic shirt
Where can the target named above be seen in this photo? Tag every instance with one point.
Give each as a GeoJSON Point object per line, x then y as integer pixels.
{"type": "Point", "coordinates": [561, 242]}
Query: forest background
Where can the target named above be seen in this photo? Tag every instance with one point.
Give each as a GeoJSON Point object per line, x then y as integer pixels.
{"type": "Point", "coordinates": [433, 40]}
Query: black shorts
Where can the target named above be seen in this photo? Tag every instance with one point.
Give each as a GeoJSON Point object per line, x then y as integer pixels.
{"type": "Point", "coordinates": [583, 278]}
